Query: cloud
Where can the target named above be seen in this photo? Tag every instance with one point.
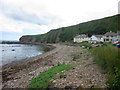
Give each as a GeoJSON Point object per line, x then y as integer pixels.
{"type": "Point", "coordinates": [19, 14]}
{"type": "Point", "coordinates": [40, 16]}
{"type": "Point", "coordinates": [9, 25]}
{"type": "Point", "coordinates": [10, 35]}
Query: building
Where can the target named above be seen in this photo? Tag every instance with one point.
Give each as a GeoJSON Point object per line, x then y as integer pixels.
{"type": "Point", "coordinates": [96, 39]}
{"type": "Point", "coordinates": [110, 37]}
{"type": "Point", "coordinates": [118, 35]}
{"type": "Point", "coordinates": [81, 38]}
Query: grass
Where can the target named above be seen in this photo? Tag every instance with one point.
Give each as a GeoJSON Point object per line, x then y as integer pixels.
{"type": "Point", "coordinates": [109, 59]}
{"type": "Point", "coordinates": [99, 26]}
{"type": "Point", "coordinates": [85, 44]}
{"type": "Point", "coordinates": [78, 60]}
{"type": "Point", "coordinates": [74, 54]}
{"type": "Point", "coordinates": [83, 63]}
{"type": "Point", "coordinates": [42, 81]}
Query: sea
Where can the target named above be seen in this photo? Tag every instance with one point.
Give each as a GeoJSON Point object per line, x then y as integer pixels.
{"type": "Point", "coordinates": [16, 52]}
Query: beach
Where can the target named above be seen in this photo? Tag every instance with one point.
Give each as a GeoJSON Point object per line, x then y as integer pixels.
{"type": "Point", "coordinates": [18, 74]}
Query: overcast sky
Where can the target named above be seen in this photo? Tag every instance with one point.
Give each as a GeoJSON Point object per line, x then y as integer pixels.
{"type": "Point", "coordinates": [28, 17]}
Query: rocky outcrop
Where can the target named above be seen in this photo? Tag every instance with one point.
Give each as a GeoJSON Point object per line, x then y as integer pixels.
{"type": "Point", "coordinates": [25, 39]}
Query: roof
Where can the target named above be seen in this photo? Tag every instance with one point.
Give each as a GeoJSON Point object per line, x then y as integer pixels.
{"type": "Point", "coordinates": [81, 36]}
{"type": "Point", "coordinates": [118, 32]}
{"type": "Point", "coordinates": [98, 36]}
{"type": "Point", "coordinates": [110, 34]}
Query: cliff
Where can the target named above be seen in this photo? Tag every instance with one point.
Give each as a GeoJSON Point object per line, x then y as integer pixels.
{"type": "Point", "coordinates": [63, 34]}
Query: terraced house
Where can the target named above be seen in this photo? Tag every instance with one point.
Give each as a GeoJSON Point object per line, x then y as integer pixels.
{"type": "Point", "coordinates": [96, 39]}
{"type": "Point", "coordinates": [110, 37]}
{"type": "Point", "coordinates": [118, 35]}
{"type": "Point", "coordinates": [81, 38]}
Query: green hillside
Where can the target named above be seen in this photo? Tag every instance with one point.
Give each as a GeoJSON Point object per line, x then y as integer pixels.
{"type": "Point", "coordinates": [63, 34]}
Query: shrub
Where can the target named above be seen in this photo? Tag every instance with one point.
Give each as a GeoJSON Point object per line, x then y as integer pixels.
{"type": "Point", "coordinates": [85, 44]}
{"type": "Point", "coordinates": [114, 80]}
{"type": "Point", "coordinates": [47, 48]}
{"type": "Point", "coordinates": [109, 60]}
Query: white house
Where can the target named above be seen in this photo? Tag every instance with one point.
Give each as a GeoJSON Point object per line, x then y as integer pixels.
{"type": "Point", "coordinates": [81, 38]}
{"type": "Point", "coordinates": [96, 39]}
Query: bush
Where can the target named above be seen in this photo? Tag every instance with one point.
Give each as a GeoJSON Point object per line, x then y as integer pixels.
{"type": "Point", "coordinates": [47, 48]}
{"type": "Point", "coordinates": [114, 80]}
{"type": "Point", "coordinates": [108, 58]}
{"type": "Point", "coordinates": [85, 44]}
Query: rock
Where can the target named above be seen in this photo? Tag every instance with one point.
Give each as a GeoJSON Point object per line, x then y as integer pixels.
{"type": "Point", "coordinates": [51, 80]}
{"type": "Point", "coordinates": [76, 57]}
{"type": "Point", "coordinates": [88, 65]}
{"type": "Point", "coordinates": [54, 81]}
{"type": "Point", "coordinates": [63, 76]}
{"type": "Point", "coordinates": [68, 87]}
{"type": "Point", "coordinates": [73, 68]}
{"type": "Point", "coordinates": [13, 49]}
{"type": "Point", "coordinates": [90, 82]}
{"type": "Point", "coordinates": [80, 76]}
{"type": "Point", "coordinates": [92, 86]}
{"type": "Point", "coordinates": [83, 46]}
{"type": "Point", "coordinates": [81, 53]}
{"type": "Point", "coordinates": [79, 87]}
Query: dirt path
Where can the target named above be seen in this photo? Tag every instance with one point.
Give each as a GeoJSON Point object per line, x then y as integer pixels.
{"type": "Point", "coordinates": [85, 71]}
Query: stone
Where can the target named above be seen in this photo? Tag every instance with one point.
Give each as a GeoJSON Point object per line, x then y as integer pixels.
{"type": "Point", "coordinates": [80, 76]}
{"type": "Point", "coordinates": [90, 82]}
{"type": "Point", "coordinates": [68, 87]}
{"type": "Point", "coordinates": [79, 87]}
{"type": "Point", "coordinates": [63, 76]}
{"type": "Point", "coordinates": [92, 86]}
{"type": "Point", "coordinates": [81, 53]}
{"type": "Point", "coordinates": [13, 49]}
{"type": "Point", "coordinates": [73, 68]}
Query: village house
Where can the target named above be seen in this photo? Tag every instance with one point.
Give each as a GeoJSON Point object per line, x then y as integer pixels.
{"type": "Point", "coordinates": [81, 38]}
{"type": "Point", "coordinates": [118, 35]}
{"type": "Point", "coordinates": [96, 39]}
{"type": "Point", "coordinates": [110, 37]}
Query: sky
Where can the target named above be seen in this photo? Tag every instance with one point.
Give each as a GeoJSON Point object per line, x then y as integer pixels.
{"type": "Point", "coordinates": [30, 17]}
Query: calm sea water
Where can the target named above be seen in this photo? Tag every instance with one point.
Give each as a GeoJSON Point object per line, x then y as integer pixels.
{"type": "Point", "coordinates": [16, 52]}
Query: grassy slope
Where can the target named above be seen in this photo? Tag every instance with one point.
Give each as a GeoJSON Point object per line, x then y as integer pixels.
{"type": "Point", "coordinates": [63, 34]}
{"type": "Point", "coordinates": [109, 59]}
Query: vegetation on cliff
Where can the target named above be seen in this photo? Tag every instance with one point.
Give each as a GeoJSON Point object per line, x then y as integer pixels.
{"type": "Point", "coordinates": [63, 34]}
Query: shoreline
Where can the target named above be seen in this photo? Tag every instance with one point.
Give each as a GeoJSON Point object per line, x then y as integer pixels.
{"type": "Point", "coordinates": [44, 46]}
{"type": "Point", "coordinates": [19, 75]}
{"type": "Point", "coordinates": [41, 62]}
{"type": "Point", "coordinates": [16, 66]}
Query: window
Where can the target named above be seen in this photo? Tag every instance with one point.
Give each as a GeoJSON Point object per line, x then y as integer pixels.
{"type": "Point", "coordinates": [107, 39]}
